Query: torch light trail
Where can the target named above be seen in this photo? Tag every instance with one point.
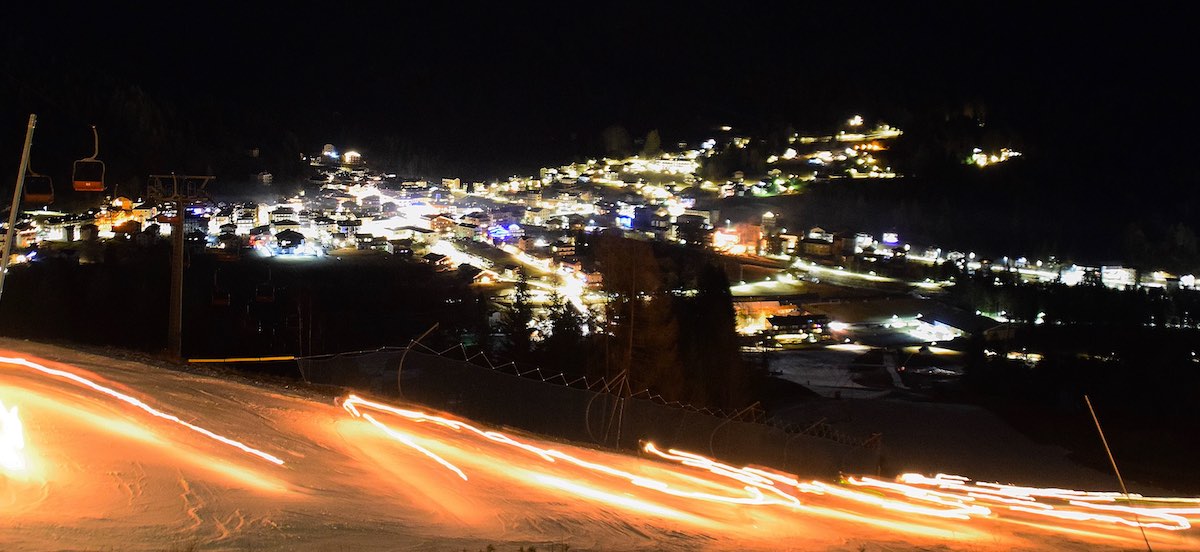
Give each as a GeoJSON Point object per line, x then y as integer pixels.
{"type": "Point", "coordinates": [75, 378]}
{"type": "Point", "coordinates": [12, 440]}
{"type": "Point", "coordinates": [754, 488]}
{"type": "Point", "coordinates": [1088, 506]}
{"type": "Point", "coordinates": [942, 496]}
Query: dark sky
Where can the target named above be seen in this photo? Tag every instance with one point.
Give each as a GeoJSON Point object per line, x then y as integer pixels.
{"type": "Point", "coordinates": [503, 87]}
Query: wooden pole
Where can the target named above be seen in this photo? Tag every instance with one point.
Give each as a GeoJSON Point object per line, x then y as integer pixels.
{"type": "Point", "coordinates": [400, 368]}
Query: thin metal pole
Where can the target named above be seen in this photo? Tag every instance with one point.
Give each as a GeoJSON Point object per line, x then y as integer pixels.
{"type": "Point", "coordinates": [16, 202]}
{"type": "Point", "coordinates": [1112, 461]}
{"type": "Point", "coordinates": [620, 419]}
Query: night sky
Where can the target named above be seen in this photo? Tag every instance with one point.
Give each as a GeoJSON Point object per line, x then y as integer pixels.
{"type": "Point", "coordinates": [485, 91]}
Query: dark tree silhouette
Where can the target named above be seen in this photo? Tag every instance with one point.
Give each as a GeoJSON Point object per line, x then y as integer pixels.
{"type": "Point", "coordinates": [644, 332]}
{"type": "Point", "coordinates": [617, 143]}
{"type": "Point", "coordinates": [653, 145]}
{"type": "Point", "coordinates": [516, 319]}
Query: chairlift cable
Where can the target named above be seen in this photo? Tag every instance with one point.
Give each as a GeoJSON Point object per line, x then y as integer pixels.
{"type": "Point", "coordinates": [29, 169]}
{"type": "Point", "coordinates": [92, 179]}
{"type": "Point", "coordinates": [95, 144]}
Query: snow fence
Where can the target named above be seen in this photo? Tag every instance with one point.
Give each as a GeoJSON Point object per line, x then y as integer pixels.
{"type": "Point", "coordinates": [591, 416]}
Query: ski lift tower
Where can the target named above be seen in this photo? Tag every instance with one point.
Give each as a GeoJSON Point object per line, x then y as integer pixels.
{"type": "Point", "coordinates": [182, 191]}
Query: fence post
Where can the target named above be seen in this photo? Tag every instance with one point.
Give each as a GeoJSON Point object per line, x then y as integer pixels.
{"type": "Point", "coordinates": [400, 368]}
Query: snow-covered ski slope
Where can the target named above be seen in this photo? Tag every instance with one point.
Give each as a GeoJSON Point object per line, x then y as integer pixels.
{"type": "Point", "coordinates": [99, 453]}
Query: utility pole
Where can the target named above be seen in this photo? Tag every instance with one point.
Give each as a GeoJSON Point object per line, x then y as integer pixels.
{"type": "Point", "coordinates": [16, 202]}
{"type": "Point", "coordinates": [180, 190]}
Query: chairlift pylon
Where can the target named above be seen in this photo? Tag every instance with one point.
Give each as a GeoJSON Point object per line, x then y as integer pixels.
{"type": "Point", "coordinates": [88, 173]}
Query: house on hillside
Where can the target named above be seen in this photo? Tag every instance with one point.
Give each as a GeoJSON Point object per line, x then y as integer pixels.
{"type": "Point", "coordinates": [421, 237]}
{"type": "Point", "coordinates": [439, 261]}
{"type": "Point", "coordinates": [474, 274]}
{"type": "Point", "coordinates": [288, 241]}
{"type": "Point", "coordinates": [815, 247]}
{"type": "Point", "coordinates": [798, 328]}
{"type": "Point", "coordinates": [402, 248]}
{"type": "Point", "coordinates": [349, 226]}
{"type": "Point", "coordinates": [284, 213]}
{"type": "Point", "coordinates": [442, 224]}
{"type": "Point", "coordinates": [465, 231]}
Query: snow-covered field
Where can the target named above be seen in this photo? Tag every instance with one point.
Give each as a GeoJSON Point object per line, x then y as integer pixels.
{"type": "Point", "coordinates": [111, 454]}
{"type": "Point", "coordinates": [826, 371]}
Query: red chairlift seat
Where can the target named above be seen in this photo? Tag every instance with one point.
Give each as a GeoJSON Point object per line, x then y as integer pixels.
{"type": "Point", "coordinates": [39, 189]}
{"type": "Point", "coordinates": [88, 173]}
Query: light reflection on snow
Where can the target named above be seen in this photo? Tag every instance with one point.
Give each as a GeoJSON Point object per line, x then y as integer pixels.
{"type": "Point", "coordinates": [78, 379]}
{"type": "Point", "coordinates": [924, 498]}
{"type": "Point", "coordinates": [12, 440]}
{"type": "Point", "coordinates": [679, 490]}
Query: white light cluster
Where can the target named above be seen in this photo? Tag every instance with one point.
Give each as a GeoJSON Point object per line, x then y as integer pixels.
{"type": "Point", "coordinates": [981, 159]}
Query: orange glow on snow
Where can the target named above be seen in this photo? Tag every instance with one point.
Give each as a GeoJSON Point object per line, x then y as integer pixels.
{"type": "Point", "coordinates": [752, 493]}
{"type": "Point", "coordinates": [352, 466]}
{"type": "Point", "coordinates": [610, 498]}
{"type": "Point", "coordinates": [1172, 514]}
{"type": "Point", "coordinates": [12, 440]}
{"type": "Point", "coordinates": [75, 378]}
{"type": "Point", "coordinates": [944, 497]}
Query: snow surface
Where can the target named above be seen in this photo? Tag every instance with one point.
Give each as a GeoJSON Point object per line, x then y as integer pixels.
{"type": "Point", "coordinates": [106, 475]}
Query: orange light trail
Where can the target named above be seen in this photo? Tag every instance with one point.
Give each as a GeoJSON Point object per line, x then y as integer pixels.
{"type": "Point", "coordinates": [1063, 503]}
{"type": "Point", "coordinates": [942, 496]}
{"type": "Point", "coordinates": [12, 440]}
{"type": "Point", "coordinates": [75, 378]}
{"type": "Point", "coordinates": [956, 509]}
{"type": "Point", "coordinates": [611, 498]}
{"type": "Point", "coordinates": [755, 485]}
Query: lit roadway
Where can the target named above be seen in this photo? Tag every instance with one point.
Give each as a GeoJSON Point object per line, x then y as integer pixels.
{"type": "Point", "coordinates": [1028, 274]}
{"type": "Point", "coordinates": [101, 453]}
{"type": "Point", "coordinates": [570, 288]}
{"type": "Point", "coordinates": [827, 274]}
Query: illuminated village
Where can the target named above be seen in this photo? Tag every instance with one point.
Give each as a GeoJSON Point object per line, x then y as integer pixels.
{"type": "Point", "coordinates": [495, 230]}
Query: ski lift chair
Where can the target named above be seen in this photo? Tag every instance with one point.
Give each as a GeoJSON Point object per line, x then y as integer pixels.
{"type": "Point", "coordinates": [39, 189]}
{"type": "Point", "coordinates": [88, 173]}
